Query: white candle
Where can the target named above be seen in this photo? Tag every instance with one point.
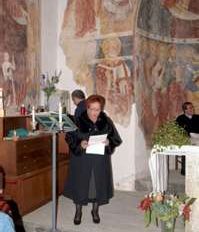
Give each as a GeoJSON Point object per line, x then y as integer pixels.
{"type": "Point", "coordinates": [33, 118]}
{"type": "Point", "coordinates": [60, 115]}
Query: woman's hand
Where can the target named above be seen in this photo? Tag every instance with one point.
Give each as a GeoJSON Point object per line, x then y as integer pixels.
{"type": "Point", "coordinates": [106, 142]}
{"type": "Point", "coordinates": [84, 144]}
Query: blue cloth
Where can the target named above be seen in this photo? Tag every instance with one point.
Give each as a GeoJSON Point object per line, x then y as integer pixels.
{"type": "Point", "coordinates": [20, 132]}
{"type": "Point", "coordinates": [6, 223]}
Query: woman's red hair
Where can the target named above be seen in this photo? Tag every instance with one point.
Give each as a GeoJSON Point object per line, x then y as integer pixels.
{"type": "Point", "coordinates": [95, 98]}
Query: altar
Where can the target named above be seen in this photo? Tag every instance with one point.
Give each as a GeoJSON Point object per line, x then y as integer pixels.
{"type": "Point", "coordinates": [158, 164]}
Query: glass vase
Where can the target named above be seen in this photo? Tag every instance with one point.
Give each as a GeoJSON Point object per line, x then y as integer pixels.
{"type": "Point", "coordinates": [168, 226]}
{"type": "Point", "coordinates": [47, 104]}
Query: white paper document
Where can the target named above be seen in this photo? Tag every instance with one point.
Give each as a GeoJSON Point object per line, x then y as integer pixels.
{"type": "Point", "coordinates": [96, 144]}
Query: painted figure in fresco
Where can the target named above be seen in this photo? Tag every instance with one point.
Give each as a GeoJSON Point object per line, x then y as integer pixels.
{"type": "Point", "coordinates": [84, 78]}
{"type": "Point", "coordinates": [113, 81]}
{"type": "Point", "coordinates": [85, 17]}
{"type": "Point", "coordinates": [155, 96]}
{"type": "Point", "coordinates": [23, 40]}
{"type": "Point", "coordinates": [118, 8]}
{"type": "Point", "coordinates": [176, 93]}
{"type": "Point", "coordinates": [193, 95]}
{"type": "Point", "coordinates": [8, 68]}
{"type": "Point", "coordinates": [148, 59]}
{"type": "Point", "coordinates": [185, 18]}
{"type": "Point", "coordinates": [90, 13]}
{"type": "Point", "coordinates": [84, 22]}
{"type": "Point", "coordinates": [183, 9]}
{"type": "Point", "coordinates": [157, 74]}
{"type": "Point", "coordinates": [170, 18]}
{"type": "Point", "coordinates": [159, 20]}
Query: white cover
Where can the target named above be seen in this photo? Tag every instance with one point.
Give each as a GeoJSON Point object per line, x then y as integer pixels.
{"type": "Point", "coordinates": [159, 167]}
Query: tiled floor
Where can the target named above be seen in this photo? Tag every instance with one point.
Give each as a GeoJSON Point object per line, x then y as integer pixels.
{"type": "Point", "coordinates": [121, 215]}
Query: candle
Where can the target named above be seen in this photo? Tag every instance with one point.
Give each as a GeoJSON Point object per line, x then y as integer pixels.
{"type": "Point", "coordinates": [33, 118]}
{"type": "Point", "coordinates": [60, 115]}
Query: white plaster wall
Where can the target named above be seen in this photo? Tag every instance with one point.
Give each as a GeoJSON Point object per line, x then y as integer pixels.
{"type": "Point", "coordinates": [49, 36]}
{"type": "Point", "coordinates": [66, 81]}
{"type": "Point", "coordinates": [123, 160]}
{"type": "Point", "coordinates": [130, 159]}
{"type": "Point", "coordinates": [141, 154]}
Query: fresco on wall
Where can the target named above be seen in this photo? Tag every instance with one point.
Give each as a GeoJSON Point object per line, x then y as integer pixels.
{"type": "Point", "coordinates": [138, 50]}
{"type": "Point", "coordinates": [97, 40]}
{"type": "Point", "coordinates": [167, 62]}
{"type": "Point", "coordinates": [170, 18]}
{"type": "Point", "coordinates": [113, 77]}
{"type": "Point", "coordinates": [19, 52]}
{"type": "Point", "coordinates": [99, 16]}
{"type": "Point", "coordinates": [115, 16]}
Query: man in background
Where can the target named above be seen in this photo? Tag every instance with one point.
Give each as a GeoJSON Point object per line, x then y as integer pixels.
{"type": "Point", "coordinates": [78, 98]}
{"type": "Point", "coordinates": [190, 122]}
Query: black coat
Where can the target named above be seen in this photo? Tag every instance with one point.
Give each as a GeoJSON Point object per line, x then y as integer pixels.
{"type": "Point", "coordinates": [81, 108]}
{"type": "Point", "coordinates": [90, 175]}
{"type": "Point", "coordinates": [189, 124]}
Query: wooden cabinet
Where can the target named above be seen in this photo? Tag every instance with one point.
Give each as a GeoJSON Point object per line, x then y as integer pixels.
{"type": "Point", "coordinates": [27, 165]}
{"type": "Point", "coordinates": [25, 155]}
{"type": "Point", "coordinates": [33, 189]}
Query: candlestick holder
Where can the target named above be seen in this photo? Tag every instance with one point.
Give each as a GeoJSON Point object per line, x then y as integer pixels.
{"type": "Point", "coordinates": [60, 126]}
{"type": "Point", "coordinates": [33, 126]}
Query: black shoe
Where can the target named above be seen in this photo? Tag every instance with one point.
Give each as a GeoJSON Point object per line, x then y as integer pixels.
{"type": "Point", "coordinates": [77, 218]}
{"type": "Point", "coordinates": [95, 215]}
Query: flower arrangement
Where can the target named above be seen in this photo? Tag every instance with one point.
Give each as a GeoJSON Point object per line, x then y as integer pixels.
{"type": "Point", "coordinates": [165, 208]}
{"type": "Point", "coordinates": [48, 84]}
{"type": "Point", "coordinates": [170, 133]}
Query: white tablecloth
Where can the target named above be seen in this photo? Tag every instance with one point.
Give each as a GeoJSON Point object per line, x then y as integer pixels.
{"type": "Point", "coordinates": [158, 164]}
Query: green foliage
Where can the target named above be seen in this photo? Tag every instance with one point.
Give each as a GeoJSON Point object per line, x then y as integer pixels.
{"type": "Point", "coordinates": [147, 218]}
{"type": "Point", "coordinates": [170, 133]}
{"type": "Point", "coordinates": [161, 207]}
{"type": "Point", "coordinates": [48, 84]}
{"type": "Point", "coordinates": [49, 90]}
{"type": "Point", "coordinates": [166, 211]}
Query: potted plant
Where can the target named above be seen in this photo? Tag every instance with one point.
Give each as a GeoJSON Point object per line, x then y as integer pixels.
{"type": "Point", "coordinates": [165, 208]}
{"type": "Point", "coordinates": [169, 134]}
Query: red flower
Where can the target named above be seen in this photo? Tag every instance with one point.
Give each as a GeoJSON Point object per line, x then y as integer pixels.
{"type": "Point", "coordinates": [186, 212]}
{"type": "Point", "coordinates": [145, 204]}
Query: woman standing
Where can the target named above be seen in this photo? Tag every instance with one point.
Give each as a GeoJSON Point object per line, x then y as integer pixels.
{"type": "Point", "coordinates": [90, 175]}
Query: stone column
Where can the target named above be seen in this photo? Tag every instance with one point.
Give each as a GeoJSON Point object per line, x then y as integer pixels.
{"type": "Point", "coordinates": [192, 190]}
